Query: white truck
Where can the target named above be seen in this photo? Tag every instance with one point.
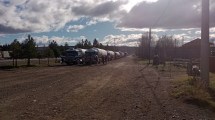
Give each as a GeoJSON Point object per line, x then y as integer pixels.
{"type": "Point", "coordinates": [74, 56]}
{"type": "Point", "coordinates": [95, 55]}
{"type": "Point", "coordinates": [117, 55]}
{"type": "Point", "coordinates": [111, 55]}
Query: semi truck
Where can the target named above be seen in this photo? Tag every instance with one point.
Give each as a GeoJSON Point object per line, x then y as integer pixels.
{"type": "Point", "coordinates": [95, 56]}
{"type": "Point", "coordinates": [74, 56]}
{"type": "Point", "coordinates": [117, 55]}
{"type": "Point", "coordinates": [110, 55]}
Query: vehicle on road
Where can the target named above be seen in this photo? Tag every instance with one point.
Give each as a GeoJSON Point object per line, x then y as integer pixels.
{"type": "Point", "coordinates": [74, 56]}
{"type": "Point", "coordinates": [110, 55]}
{"type": "Point", "coordinates": [95, 56]}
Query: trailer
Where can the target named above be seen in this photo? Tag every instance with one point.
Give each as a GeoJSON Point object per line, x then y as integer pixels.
{"type": "Point", "coordinates": [111, 55]}
{"type": "Point", "coordinates": [122, 54]}
{"type": "Point", "coordinates": [117, 55]}
{"type": "Point", "coordinates": [74, 56]}
{"type": "Point", "coordinates": [95, 56]}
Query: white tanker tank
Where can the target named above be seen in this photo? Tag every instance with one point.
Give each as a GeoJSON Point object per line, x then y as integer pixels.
{"type": "Point", "coordinates": [111, 55]}
{"type": "Point", "coordinates": [95, 55]}
{"type": "Point", "coordinates": [122, 54]}
{"type": "Point", "coordinates": [117, 55]}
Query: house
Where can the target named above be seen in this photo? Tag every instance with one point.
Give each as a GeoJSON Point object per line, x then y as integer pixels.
{"type": "Point", "coordinates": [191, 50]}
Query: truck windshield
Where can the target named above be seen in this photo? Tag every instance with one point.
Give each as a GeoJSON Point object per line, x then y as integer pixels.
{"type": "Point", "coordinates": [71, 53]}
{"type": "Point", "coordinates": [90, 53]}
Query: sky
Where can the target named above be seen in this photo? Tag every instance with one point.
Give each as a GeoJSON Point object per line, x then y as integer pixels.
{"type": "Point", "coordinates": [106, 20]}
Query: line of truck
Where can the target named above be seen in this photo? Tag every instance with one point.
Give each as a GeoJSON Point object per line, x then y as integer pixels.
{"type": "Point", "coordinates": [90, 56]}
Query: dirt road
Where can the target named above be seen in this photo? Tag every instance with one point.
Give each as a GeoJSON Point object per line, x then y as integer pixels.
{"type": "Point", "coordinates": [120, 90]}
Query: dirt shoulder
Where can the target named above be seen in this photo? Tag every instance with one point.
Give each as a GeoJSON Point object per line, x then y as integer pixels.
{"type": "Point", "coordinates": [122, 89]}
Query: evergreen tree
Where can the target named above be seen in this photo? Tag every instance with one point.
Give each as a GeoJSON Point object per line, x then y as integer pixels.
{"type": "Point", "coordinates": [29, 49]}
{"type": "Point", "coordinates": [95, 43]}
{"type": "Point", "coordinates": [16, 51]}
{"type": "Point", "coordinates": [55, 48]}
{"type": "Point", "coordinates": [49, 53]}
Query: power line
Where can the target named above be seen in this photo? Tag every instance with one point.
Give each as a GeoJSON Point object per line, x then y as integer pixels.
{"type": "Point", "coordinates": [162, 14]}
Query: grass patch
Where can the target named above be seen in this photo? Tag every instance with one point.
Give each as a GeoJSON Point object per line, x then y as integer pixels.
{"type": "Point", "coordinates": [142, 61]}
{"type": "Point", "coordinates": [186, 88]}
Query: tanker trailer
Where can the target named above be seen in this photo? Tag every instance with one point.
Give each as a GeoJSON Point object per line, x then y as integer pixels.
{"type": "Point", "coordinates": [95, 55]}
{"type": "Point", "coordinates": [74, 56]}
{"type": "Point", "coordinates": [110, 55]}
{"type": "Point", "coordinates": [117, 55]}
{"type": "Point", "coordinates": [122, 54]}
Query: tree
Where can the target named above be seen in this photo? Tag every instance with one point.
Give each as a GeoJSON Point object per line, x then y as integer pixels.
{"type": "Point", "coordinates": [79, 45]}
{"type": "Point", "coordinates": [5, 47]}
{"type": "Point", "coordinates": [95, 43]}
{"type": "Point", "coordinates": [84, 44]}
{"type": "Point", "coordinates": [107, 47]}
{"type": "Point", "coordinates": [165, 47]}
{"type": "Point", "coordinates": [142, 51]}
{"type": "Point", "coordinates": [16, 51]}
{"type": "Point", "coordinates": [49, 53]}
{"type": "Point", "coordinates": [55, 48]}
{"type": "Point", "coordinates": [87, 44]}
{"type": "Point", "coordinates": [29, 49]}
{"type": "Point", "coordinates": [101, 46]}
{"type": "Point", "coordinates": [66, 46]}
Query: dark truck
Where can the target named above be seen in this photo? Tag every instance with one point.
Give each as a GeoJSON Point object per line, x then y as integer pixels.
{"type": "Point", "coordinates": [95, 56]}
{"type": "Point", "coordinates": [74, 56]}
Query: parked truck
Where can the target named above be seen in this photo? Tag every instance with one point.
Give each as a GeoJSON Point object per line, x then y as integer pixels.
{"type": "Point", "coordinates": [117, 55]}
{"type": "Point", "coordinates": [110, 55]}
{"type": "Point", "coordinates": [95, 56]}
{"type": "Point", "coordinates": [74, 56]}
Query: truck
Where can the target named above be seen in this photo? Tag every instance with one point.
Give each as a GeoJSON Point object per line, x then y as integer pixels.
{"type": "Point", "coordinates": [110, 55]}
{"type": "Point", "coordinates": [122, 54]}
{"type": "Point", "coordinates": [95, 56]}
{"type": "Point", "coordinates": [117, 55]}
{"type": "Point", "coordinates": [74, 56]}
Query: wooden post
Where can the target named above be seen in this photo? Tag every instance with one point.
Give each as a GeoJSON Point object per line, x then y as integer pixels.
{"type": "Point", "coordinates": [205, 44]}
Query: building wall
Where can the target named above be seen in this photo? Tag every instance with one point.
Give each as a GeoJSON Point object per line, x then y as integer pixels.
{"type": "Point", "coordinates": [212, 64]}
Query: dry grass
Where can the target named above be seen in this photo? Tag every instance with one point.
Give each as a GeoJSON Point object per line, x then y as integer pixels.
{"type": "Point", "coordinates": [189, 90]}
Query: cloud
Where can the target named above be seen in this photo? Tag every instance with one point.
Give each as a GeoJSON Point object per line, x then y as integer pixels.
{"type": "Point", "coordinates": [75, 28]}
{"type": "Point", "coordinates": [102, 9]}
{"type": "Point", "coordinates": [91, 22]}
{"type": "Point", "coordinates": [122, 40]}
{"type": "Point", "coordinates": [166, 14]}
{"type": "Point", "coordinates": [198, 32]}
{"type": "Point", "coordinates": [141, 30]}
{"type": "Point", "coordinates": [212, 30]}
{"type": "Point", "coordinates": [45, 40]}
{"type": "Point", "coordinates": [18, 16]}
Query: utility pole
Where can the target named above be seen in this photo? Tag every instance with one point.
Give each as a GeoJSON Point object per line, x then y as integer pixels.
{"type": "Point", "coordinates": [175, 50]}
{"type": "Point", "coordinates": [150, 37]}
{"type": "Point", "coordinates": [204, 65]}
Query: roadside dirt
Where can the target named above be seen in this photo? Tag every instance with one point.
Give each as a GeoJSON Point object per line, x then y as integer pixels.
{"type": "Point", "coordinates": [120, 90]}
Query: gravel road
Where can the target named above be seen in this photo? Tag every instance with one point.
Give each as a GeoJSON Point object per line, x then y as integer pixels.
{"type": "Point", "coordinates": [120, 90]}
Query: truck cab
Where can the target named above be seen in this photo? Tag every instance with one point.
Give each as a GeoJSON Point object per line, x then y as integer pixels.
{"type": "Point", "coordinates": [74, 56]}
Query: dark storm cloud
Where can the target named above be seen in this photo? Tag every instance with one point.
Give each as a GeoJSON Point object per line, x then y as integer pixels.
{"type": "Point", "coordinates": [166, 14]}
{"type": "Point", "coordinates": [102, 9]}
{"type": "Point", "coordinates": [10, 30]}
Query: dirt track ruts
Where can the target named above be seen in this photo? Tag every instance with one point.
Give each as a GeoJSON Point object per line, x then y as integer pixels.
{"type": "Point", "coordinates": [120, 90]}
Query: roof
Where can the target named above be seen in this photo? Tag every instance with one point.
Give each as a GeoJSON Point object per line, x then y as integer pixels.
{"type": "Point", "coordinates": [194, 44]}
